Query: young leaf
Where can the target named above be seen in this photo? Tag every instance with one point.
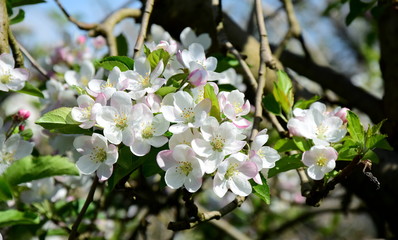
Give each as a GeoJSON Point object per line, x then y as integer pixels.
{"type": "Point", "coordinates": [372, 156]}
{"type": "Point", "coordinates": [355, 128]}
{"type": "Point", "coordinates": [5, 190]}
{"type": "Point", "coordinates": [347, 153]}
{"type": "Point", "coordinates": [176, 80]}
{"type": "Point", "coordinates": [31, 90]}
{"type": "Point", "coordinates": [163, 91]}
{"type": "Point", "coordinates": [272, 105]}
{"type": "Point", "coordinates": [32, 168]}
{"type": "Point", "coordinates": [378, 141]}
{"type": "Point", "coordinates": [122, 45]}
{"type": "Point", "coordinates": [302, 143]}
{"type": "Point", "coordinates": [158, 55]}
{"type": "Point", "coordinates": [285, 145]}
{"type": "Point", "coordinates": [147, 51]}
{"type": "Point", "coordinates": [19, 18]}
{"type": "Point", "coordinates": [18, 3]}
{"type": "Point", "coordinates": [285, 164]}
{"type": "Point", "coordinates": [14, 217]}
{"type": "Point", "coordinates": [215, 107]}
{"type": "Point", "coordinates": [262, 191]}
{"type": "Point", "coordinates": [283, 91]}
{"type": "Point", "coordinates": [122, 62]}
{"type": "Point", "coordinates": [304, 104]}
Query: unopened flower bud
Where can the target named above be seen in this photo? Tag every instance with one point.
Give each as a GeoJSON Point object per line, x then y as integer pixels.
{"type": "Point", "coordinates": [21, 115]}
{"type": "Point", "coordinates": [342, 114]}
{"type": "Point", "coordinates": [198, 77]}
{"type": "Point", "coordinates": [81, 40]}
{"type": "Point", "coordinates": [21, 128]}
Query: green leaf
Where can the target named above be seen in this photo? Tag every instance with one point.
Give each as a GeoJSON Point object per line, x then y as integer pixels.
{"type": "Point", "coordinates": [158, 55]}
{"type": "Point", "coordinates": [355, 128]}
{"type": "Point", "coordinates": [26, 134]}
{"type": "Point", "coordinates": [370, 155]}
{"type": "Point", "coordinates": [225, 62]}
{"type": "Point", "coordinates": [176, 80]}
{"type": "Point", "coordinates": [147, 51]}
{"type": "Point", "coordinates": [272, 105]}
{"type": "Point", "coordinates": [5, 189]}
{"type": "Point", "coordinates": [215, 107]}
{"type": "Point", "coordinates": [18, 18]}
{"type": "Point", "coordinates": [302, 143]}
{"type": "Point", "coordinates": [122, 45]}
{"type": "Point", "coordinates": [31, 90]}
{"type": "Point", "coordinates": [122, 62]}
{"type": "Point", "coordinates": [378, 141]}
{"type": "Point", "coordinates": [226, 87]}
{"type": "Point", "coordinates": [14, 217]}
{"type": "Point", "coordinates": [358, 8]}
{"type": "Point", "coordinates": [283, 91]}
{"type": "Point", "coordinates": [285, 164]}
{"type": "Point", "coordinates": [347, 153]}
{"type": "Point", "coordinates": [18, 3]}
{"type": "Point", "coordinates": [126, 164]}
{"type": "Point", "coordinates": [60, 120]}
{"type": "Point", "coordinates": [285, 145]}
{"type": "Point", "coordinates": [163, 91]}
{"type": "Point", "coordinates": [32, 168]}
{"type": "Point", "coordinates": [262, 191]}
{"type": "Point", "coordinates": [304, 104]}
{"type": "Point", "coordinates": [375, 129]}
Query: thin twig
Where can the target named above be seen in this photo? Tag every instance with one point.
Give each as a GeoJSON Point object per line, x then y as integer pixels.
{"type": "Point", "coordinates": [80, 25]}
{"type": "Point", "coordinates": [16, 51]}
{"type": "Point", "coordinates": [89, 199]}
{"type": "Point", "coordinates": [144, 27]}
{"type": "Point", "coordinates": [33, 61]}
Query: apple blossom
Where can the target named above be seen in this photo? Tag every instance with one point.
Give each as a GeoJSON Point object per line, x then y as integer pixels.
{"type": "Point", "coordinates": [117, 119]}
{"type": "Point", "coordinates": [230, 76]}
{"type": "Point", "coordinates": [184, 112]}
{"type": "Point", "coordinates": [188, 36]}
{"type": "Point", "coordinates": [182, 168]}
{"type": "Point", "coordinates": [116, 82]}
{"type": "Point", "coordinates": [148, 130]}
{"type": "Point", "coordinates": [81, 79]}
{"type": "Point", "coordinates": [97, 155]}
{"type": "Point", "coordinates": [198, 77]}
{"type": "Point", "coordinates": [234, 173]}
{"type": "Point", "coordinates": [12, 149]}
{"type": "Point", "coordinates": [341, 113]}
{"type": "Point", "coordinates": [319, 160]}
{"type": "Point", "coordinates": [185, 137]}
{"type": "Point", "coordinates": [219, 140]}
{"type": "Point", "coordinates": [39, 190]}
{"type": "Point", "coordinates": [86, 112]}
{"type": "Point", "coordinates": [142, 80]}
{"type": "Point", "coordinates": [11, 78]}
{"type": "Point", "coordinates": [234, 106]}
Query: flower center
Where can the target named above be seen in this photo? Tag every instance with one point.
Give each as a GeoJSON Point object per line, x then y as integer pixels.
{"type": "Point", "coordinates": [321, 161]}
{"type": "Point", "coordinates": [107, 84]}
{"type": "Point", "coordinates": [185, 167]}
{"type": "Point", "coordinates": [188, 114]}
{"type": "Point", "coordinates": [232, 170]}
{"type": "Point", "coordinates": [5, 78]}
{"type": "Point", "coordinates": [84, 81]}
{"type": "Point", "coordinates": [8, 157]}
{"type": "Point", "coordinates": [98, 155]}
{"type": "Point", "coordinates": [145, 80]}
{"type": "Point", "coordinates": [121, 121]}
{"type": "Point", "coordinates": [147, 132]}
{"type": "Point", "coordinates": [217, 143]}
{"type": "Point", "coordinates": [237, 107]}
{"type": "Point", "coordinates": [321, 130]}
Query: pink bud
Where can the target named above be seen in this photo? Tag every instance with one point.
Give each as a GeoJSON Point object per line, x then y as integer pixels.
{"type": "Point", "coordinates": [81, 40]}
{"type": "Point", "coordinates": [21, 128]}
{"type": "Point", "coordinates": [198, 77]}
{"type": "Point", "coordinates": [23, 114]}
{"type": "Point", "coordinates": [342, 114]}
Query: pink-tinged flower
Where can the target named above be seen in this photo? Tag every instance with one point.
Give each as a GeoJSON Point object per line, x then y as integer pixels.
{"type": "Point", "coordinates": [188, 37]}
{"type": "Point", "coordinates": [219, 140]}
{"type": "Point", "coordinates": [198, 77]}
{"type": "Point", "coordinates": [11, 78]}
{"type": "Point", "coordinates": [234, 106]}
{"type": "Point", "coordinates": [87, 111]}
{"type": "Point", "coordinates": [116, 82]}
{"type": "Point", "coordinates": [180, 108]}
{"type": "Point", "coordinates": [117, 119]}
{"type": "Point", "coordinates": [99, 42]}
{"type": "Point", "coordinates": [317, 124]}
{"type": "Point", "coordinates": [182, 168]}
{"type": "Point", "coordinates": [319, 160]}
{"type": "Point", "coordinates": [148, 130]}
{"type": "Point", "coordinates": [153, 101]}
{"type": "Point", "coordinates": [234, 173]}
{"type": "Point", "coordinates": [262, 156]}
{"type": "Point", "coordinates": [198, 93]}
{"type": "Point", "coordinates": [22, 115]}
{"type": "Point", "coordinates": [81, 40]}
{"type": "Point", "coordinates": [341, 113]}
{"type": "Point", "coordinates": [97, 155]}
{"type": "Point", "coordinates": [142, 80]}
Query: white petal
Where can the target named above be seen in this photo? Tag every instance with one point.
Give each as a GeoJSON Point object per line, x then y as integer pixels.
{"type": "Point", "coordinates": [158, 141]}
{"type": "Point", "coordinates": [165, 159]}
{"type": "Point", "coordinates": [315, 172]}
{"type": "Point", "coordinates": [24, 149]}
{"type": "Point", "coordinates": [113, 135]}
{"type": "Point", "coordinates": [174, 177]}
{"type": "Point", "coordinates": [240, 186]}
{"type": "Point", "coordinates": [202, 147]}
{"type": "Point", "coordinates": [104, 172]}
{"type": "Point", "coordinates": [140, 148]}
{"type": "Point", "coordinates": [192, 183]}
{"type": "Point", "coordinates": [219, 186]}
{"type": "Point", "coordinates": [86, 166]}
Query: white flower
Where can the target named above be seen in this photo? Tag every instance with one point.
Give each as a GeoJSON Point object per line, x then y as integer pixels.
{"type": "Point", "coordinates": [184, 111]}
{"type": "Point", "coordinates": [153, 101]}
{"type": "Point", "coordinates": [182, 168]}
{"type": "Point", "coordinates": [39, 190]}
{"type": "Point", "coordinates": [142, 80]}
{"type": "Point", "coordinates": [317, 124]}
{"type": "Point", "coordinates": [148, 130]}
{"type": "Point", "coordinates": [81, 79]}
{"type": "Point", "coordinates": [262, 156]}
{"type": "Point", "coordinates": [11, 78]}
{"type": "Point", "coordinates": [319, 160]}
{"type": "Point", "coordinates": [234, 106]}
{"type": "Point", "coordinates": [57, 95]}
{"type": "Point", "coordinates": [12, 149]}
{"type": "Point", "coordinates": [188, 37]}
{"type": "Point", "coordinates": [117, 119]}
{"type": "Point", "coordinates": [230, 76]}
{"type": "Point", "coordinates": [116, 82]}
{"type": "Point", "coordinates": [97, 155]}
{"type": "Point", "coordinates": [86, 112]}
{"type": "Point", "coordinates": [218, 141]}
{"type": "Point", "coordinates": [185, 137]}
{"type": "Point", "coordinates": [234, 173]}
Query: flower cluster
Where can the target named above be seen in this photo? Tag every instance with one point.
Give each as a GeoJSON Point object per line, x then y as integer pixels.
{"type": "Point", "coordinates": [323, 128]}
{"type": "Point", "coordinates": [203, 126]}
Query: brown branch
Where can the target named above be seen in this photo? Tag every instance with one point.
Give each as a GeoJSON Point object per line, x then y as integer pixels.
{"type": "Point", "coordinates": [144, 27]}
{"type": "Point", "coordinates": [33, 61]}
{"type": "Point", "coordinates": [80, 25]}
{"type": "Point", "coordinates": [90, 197]}
{"type": "Point", "coordinates": [16, 51]}
{"type": "Point", "coordinates": [4, 25]}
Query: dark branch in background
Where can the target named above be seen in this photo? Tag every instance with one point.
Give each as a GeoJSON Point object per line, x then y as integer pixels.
{"type": "Point", "coordinates": [105, 28]}
{"type": "Point", "coordinates": [144, 27]}
{"type": "Point", "coordinates": [34, 63]}
{"type": "Point", "coordinates": [89, 199]}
